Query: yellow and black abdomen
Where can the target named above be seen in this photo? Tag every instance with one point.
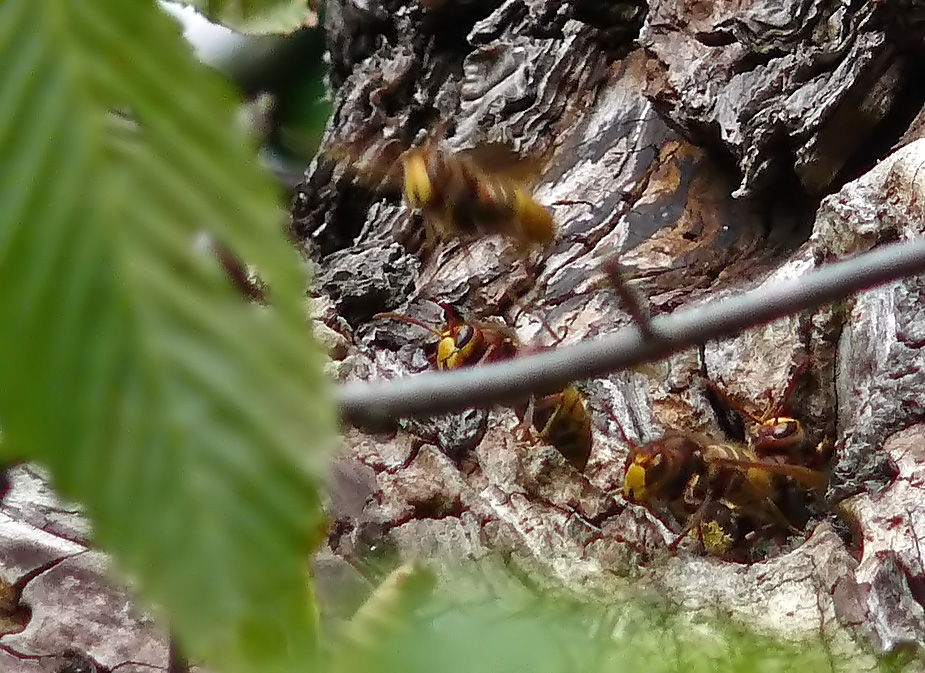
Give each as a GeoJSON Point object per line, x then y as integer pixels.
{"type": "Point", "coordinates": [563, 421]}
{"type": "Point", "coordinates": [460, 199]}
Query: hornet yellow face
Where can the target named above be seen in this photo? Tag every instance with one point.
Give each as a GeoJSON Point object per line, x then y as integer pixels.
{"type": "Point", "coordinates": [634, 482]}
{"type": "Point", "coordinates": [661, 469]}
{"type": "Point", "coordinates": [418, 189]}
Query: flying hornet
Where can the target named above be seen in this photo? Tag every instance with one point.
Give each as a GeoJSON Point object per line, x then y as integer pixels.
{"type": "Point", "coordinates": [470, 194]}
{"type": "Point", "coordinates": [466, 194]}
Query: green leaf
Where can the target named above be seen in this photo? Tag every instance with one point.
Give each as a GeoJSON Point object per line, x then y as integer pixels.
{"type": "Point", "coordinates": [257, 17]}
{"type": "Point", "coordinates": [386, 615]}
{"type": "Point", "coordinates": [483, 619]}
{"type": "Point", "coordinates": [193, 426]}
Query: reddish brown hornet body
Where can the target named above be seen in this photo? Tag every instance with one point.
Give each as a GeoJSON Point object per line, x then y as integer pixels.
{"type": "Point", "coordinates": [559, 417]}
{"type": "Point", "coordinates": [464, 344]}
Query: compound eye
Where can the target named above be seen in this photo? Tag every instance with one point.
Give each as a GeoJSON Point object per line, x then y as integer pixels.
{"type": "Point", "coordinates": [464, 336]}
{"type": "Point", "coordinates": [784, 430]}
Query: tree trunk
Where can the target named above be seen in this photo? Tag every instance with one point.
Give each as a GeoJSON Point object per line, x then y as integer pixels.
{"type": "Point", "coordinates": [715, 148]}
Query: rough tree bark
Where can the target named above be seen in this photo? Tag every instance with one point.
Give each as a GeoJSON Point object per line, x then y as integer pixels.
{"type": "Point", "coordinates": [721, 146]}
{"type": "Point", "coordinates": [75, 618]}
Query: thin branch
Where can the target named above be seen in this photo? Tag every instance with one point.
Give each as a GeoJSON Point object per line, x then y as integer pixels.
{"type": "Point", "coordinates": [512, 380]}
{"type": "Point", "coordinates": [633, 302]}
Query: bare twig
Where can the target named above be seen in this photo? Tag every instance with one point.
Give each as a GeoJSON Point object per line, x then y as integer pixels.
{"type": "Point", "coordinates": [633, 302]}
{"type": "Point", "coordinates": [237, 272]}
{"type": "Point", "coordinates": [483, 386]}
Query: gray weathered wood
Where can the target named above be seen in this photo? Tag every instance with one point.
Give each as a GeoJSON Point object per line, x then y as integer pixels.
{"type": "Point", "coordinates": [777, 105]}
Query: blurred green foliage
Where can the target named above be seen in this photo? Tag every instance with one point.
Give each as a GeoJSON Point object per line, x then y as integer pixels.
{"type": "Point", "coordinates": [483, 619]}
{"type": "Point", "coordinates": [257, 17]}
{"type": "Point", "coordinates": [279, 68]}
{"type": "Point", "coordinates": [193, 426]}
